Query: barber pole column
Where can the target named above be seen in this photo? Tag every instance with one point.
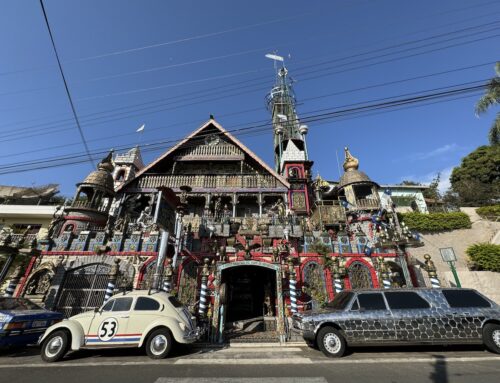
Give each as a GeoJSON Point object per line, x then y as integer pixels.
{"type": "Point", "coordinates": [167, 280]}
{"type": "Point", "coordinates": [384, 274]}
{"type": "Point", "coordinates": [113, 276]}
{"type": "Point", "coordinates": [9, 291]}
{"type": "Point", "coordinates": [203, 292]}
{"type": "Point", "coordinates": [431, 269]}
{"type": "Point", "coordinates": [293, 288]}
{"type": "Point", "coordinates": [338, 270]}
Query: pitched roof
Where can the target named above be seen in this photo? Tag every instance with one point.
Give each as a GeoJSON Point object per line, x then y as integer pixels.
{"type": "Point", "coordinates": [234, 140]}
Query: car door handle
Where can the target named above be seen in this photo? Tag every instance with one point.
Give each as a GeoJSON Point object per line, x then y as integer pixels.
{"type": "Point", "coordinates": [125, 316]}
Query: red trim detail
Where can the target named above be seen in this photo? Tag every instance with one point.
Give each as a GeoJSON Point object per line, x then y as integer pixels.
{"type": "Point", "coordinates": [20, 287]}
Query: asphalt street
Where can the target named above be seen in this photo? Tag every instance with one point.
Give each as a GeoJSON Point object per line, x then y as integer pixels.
{"type": "Point", "coordinates": [257, 364]}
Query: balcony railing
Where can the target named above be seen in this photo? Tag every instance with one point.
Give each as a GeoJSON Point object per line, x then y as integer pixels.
{"type": "Point", "coordinates": [209, 181]}
{"type": "Point", "coordinates": [367, 203]}
{"type": "Point", "coordinates": [84, 204]}
{"type": "Point", "coordinates": [217, 151]}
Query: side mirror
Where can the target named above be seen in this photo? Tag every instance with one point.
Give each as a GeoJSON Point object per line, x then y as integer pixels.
{"type": "Point", "coordinates": [97, 309]}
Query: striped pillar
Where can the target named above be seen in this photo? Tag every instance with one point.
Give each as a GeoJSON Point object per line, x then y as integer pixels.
{"type": "Point", "coordinates": [338, 284]}
{"type": "Point", "coordinates": [167, 279]}
{"type": "Point", "coordinates": [9, 291]}
{"type": "Point", "coordinates": [203, 292]}
{"type": "Point", "coordinates": [385, 280]}
{"type": "Point", "coordinates": [113, 276]}
{"type": "Point", "coordinates": [434, 280]}
{"type": "Point", "coordinates": [293, 292]}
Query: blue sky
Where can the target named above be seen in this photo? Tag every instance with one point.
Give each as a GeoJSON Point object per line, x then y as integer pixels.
{"type": "Point", "coordinates": [187, 60]}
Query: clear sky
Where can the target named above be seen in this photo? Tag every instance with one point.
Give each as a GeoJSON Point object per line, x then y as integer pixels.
{"type": "Point", "coordinates": [170, 64]}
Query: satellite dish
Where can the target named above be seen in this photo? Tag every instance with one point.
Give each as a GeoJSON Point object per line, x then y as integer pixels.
{"type": "Point", "coordinates": [275, 57]}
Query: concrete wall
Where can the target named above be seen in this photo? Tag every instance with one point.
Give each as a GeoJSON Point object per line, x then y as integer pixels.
{"type": "Point", "coordinates": [482, 231]}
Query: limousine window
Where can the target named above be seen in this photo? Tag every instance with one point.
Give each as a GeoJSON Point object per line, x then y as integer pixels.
{"type": "Point", "coordinates": [372, 301]}
{"type": "Point", "coordinates": [405, 300]}
{"type": "Point", "coordinates": [340, 301]}
{"type": "Point", "coordinates": [465, 298]}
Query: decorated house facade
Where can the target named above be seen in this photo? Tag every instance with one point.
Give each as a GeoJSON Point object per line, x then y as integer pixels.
{"type": "Point", "coordinates": [243, 244]}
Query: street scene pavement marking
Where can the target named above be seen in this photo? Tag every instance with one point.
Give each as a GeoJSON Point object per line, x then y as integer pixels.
{"type": "Point", "coordinates": [253, 361]}
{"type": "Point", "coordinates": [243, 380]}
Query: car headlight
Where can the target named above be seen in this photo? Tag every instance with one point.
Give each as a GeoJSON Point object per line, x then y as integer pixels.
{"type": "Point", "coordinates": [182, 325]}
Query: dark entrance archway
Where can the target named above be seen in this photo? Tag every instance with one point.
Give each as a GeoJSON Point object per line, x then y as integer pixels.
{"type": "Point", "coordinates": [251, 292]}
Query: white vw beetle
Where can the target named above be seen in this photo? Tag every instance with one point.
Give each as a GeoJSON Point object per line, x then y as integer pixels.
{"type": "Point", "coordinates": [134, 319]}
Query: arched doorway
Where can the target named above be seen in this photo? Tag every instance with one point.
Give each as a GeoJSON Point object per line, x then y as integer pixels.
{"type": "Point", "coordinates": [251, 293]}
{"type": "Point", "coordinates": [252, 309]}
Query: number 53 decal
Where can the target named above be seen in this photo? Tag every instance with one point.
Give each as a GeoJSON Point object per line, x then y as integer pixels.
{"type": "Point", "coordinates": [107, 329]}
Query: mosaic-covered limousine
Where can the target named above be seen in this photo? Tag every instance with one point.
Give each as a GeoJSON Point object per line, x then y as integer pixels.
{"type": "Point", "coordinates": [401, 317]}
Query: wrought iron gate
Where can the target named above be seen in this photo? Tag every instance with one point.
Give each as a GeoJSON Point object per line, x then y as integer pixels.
{"type": "Point", "coordinates": [83, 289]}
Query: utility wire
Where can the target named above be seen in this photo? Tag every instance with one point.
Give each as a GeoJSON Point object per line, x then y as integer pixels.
{"type": "Point", "coordinates": [72, 159]}
{"type": "Point", "coordinates": [66, 86]}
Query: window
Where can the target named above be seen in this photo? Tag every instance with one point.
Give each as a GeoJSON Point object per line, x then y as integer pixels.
{"type": "Point", "coordinates": [175, 302]}
{"type": "Point", "coordinates": [122, 304]}
{"type": "Point", "coordinates": [465, 298]}
{"type": "Point", "coordinates": [355, 305]}
{"type": "Point", "coordinates": [373, 301]}
{"type": "Point", "coordinates": [340, 301]}
{"type": "Point", "coordinates": [359, 276]}
{"type": "Point", "coordinates": [109, 305]}
{"type": "Point", "coordinates": [405, 300]}
{"type": "Point", "coordinates": [146, 304]}
{"type": "Point", "coordinates": [17, 304]}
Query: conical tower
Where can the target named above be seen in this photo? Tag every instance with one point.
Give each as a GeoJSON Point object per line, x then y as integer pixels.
{"type": "Point", "coordinates": [290, 149]}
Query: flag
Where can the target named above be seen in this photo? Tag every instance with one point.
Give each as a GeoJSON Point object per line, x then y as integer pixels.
{"type": "Point", "coordinates": [274, 57]}
{"type": "Point", "coordinates": [141, 128]}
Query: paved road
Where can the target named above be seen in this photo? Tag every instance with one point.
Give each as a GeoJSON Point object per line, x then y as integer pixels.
{"type": "Point", "coordinates": [258, 364]}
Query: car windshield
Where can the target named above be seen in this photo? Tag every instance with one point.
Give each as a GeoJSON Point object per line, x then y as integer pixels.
{"type": "Point", "coordinates": [340, 301]}
{"type": "Point", "coordinates": [175, 302]}
{"type": "Point", "coordinates": [17, 304]}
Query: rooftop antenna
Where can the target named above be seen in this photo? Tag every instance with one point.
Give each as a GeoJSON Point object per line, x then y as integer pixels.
{"type": "Point", "coordinates": [275, 58]}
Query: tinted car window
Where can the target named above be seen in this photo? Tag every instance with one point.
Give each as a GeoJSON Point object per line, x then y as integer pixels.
{"type": "Point", "coordinates": [175, 302]}
{"type": "Point", "coordinates": [122, 304]}
{"type": "Point", "coordinates": [108, 306]}
{"type": "Point", "coordinates": [340, 301]}
{"type": "Point", "coordinates": [405, 300]}
{"type": "Point", "coordinates": [371, 301]}
{"type": "Point", "coordinates": [465, 298]}
{"type": "Point", "coordinates": [145, 304]}
{"type": "Point", "coordinates": [355, 305]}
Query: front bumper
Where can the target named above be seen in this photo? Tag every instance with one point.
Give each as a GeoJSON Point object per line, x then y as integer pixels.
{"type": "Point", "coordinates": [192, 336]}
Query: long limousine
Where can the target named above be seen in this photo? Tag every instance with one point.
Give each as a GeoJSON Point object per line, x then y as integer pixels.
{"type": "Point", "coordinates": [401, 317]}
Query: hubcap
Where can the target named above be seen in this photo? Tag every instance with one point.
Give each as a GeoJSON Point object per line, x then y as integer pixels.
{"type": "Point", "coordinates": [159, 344]}
{"type": "Point", "coordinates": [54, 347]}
{"type": "Point", "coordinates": [496, 337]}
{"type": "Point", "coordinates": [332, 343]}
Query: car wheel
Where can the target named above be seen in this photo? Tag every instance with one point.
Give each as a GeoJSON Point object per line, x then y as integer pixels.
{"type": "Point", "coordinates": [491, 337]}
{"type": "Point", "coordinates": [159, 344]}
{"type": "Point", "coordinates": [331, 342]}
{"type": "Point", "coordinates": [55, 346]}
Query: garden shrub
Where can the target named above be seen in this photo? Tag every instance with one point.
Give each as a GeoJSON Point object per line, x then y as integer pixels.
{"type": "Point", "coordinates": [484, 256]}
{"type": "Point", "coordinates": [436, 222]}
{"type": "Point", "coordinates": [489, 212]}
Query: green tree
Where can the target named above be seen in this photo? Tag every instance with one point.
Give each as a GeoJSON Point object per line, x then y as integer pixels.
{"type": "Point", "coordinates": [477, 179]}
{"type": "Point", "coordinates": [433, 191]}
{"type": "Point", "coordinates": [490, 98]}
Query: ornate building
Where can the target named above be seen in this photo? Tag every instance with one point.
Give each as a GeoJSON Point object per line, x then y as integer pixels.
{"type": "Point", "coordinates": [242, 244]}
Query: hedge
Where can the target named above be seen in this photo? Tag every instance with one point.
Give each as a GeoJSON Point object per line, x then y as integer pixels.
{"type": "Point", "coordinates": [436, 222]}
{"type": "Point", "coordinates": [484, 256]}
{"type": "Point", "coordinates": [489, 212]}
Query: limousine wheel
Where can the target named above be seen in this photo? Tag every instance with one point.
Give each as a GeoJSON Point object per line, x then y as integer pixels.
{"type": "Point", "coordinates": [331, 342]}
{"type": "Point", "coordinates": [491, 337]}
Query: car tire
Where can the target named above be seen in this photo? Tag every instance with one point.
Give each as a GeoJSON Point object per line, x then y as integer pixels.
{"type": "Point", "coordinates": [55, 346]}
{"type": "Point", "coordinates": [159, 344]}
{"type": "Point", "coordinates": [491, 337]}
{"type": "Point", "coordinates": [331, 342]}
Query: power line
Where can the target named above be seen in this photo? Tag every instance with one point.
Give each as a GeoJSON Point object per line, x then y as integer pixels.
{"type": "Point", "coordinates": [66, 86]}
{"type": "Point", "coordinates": [72, 159]}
